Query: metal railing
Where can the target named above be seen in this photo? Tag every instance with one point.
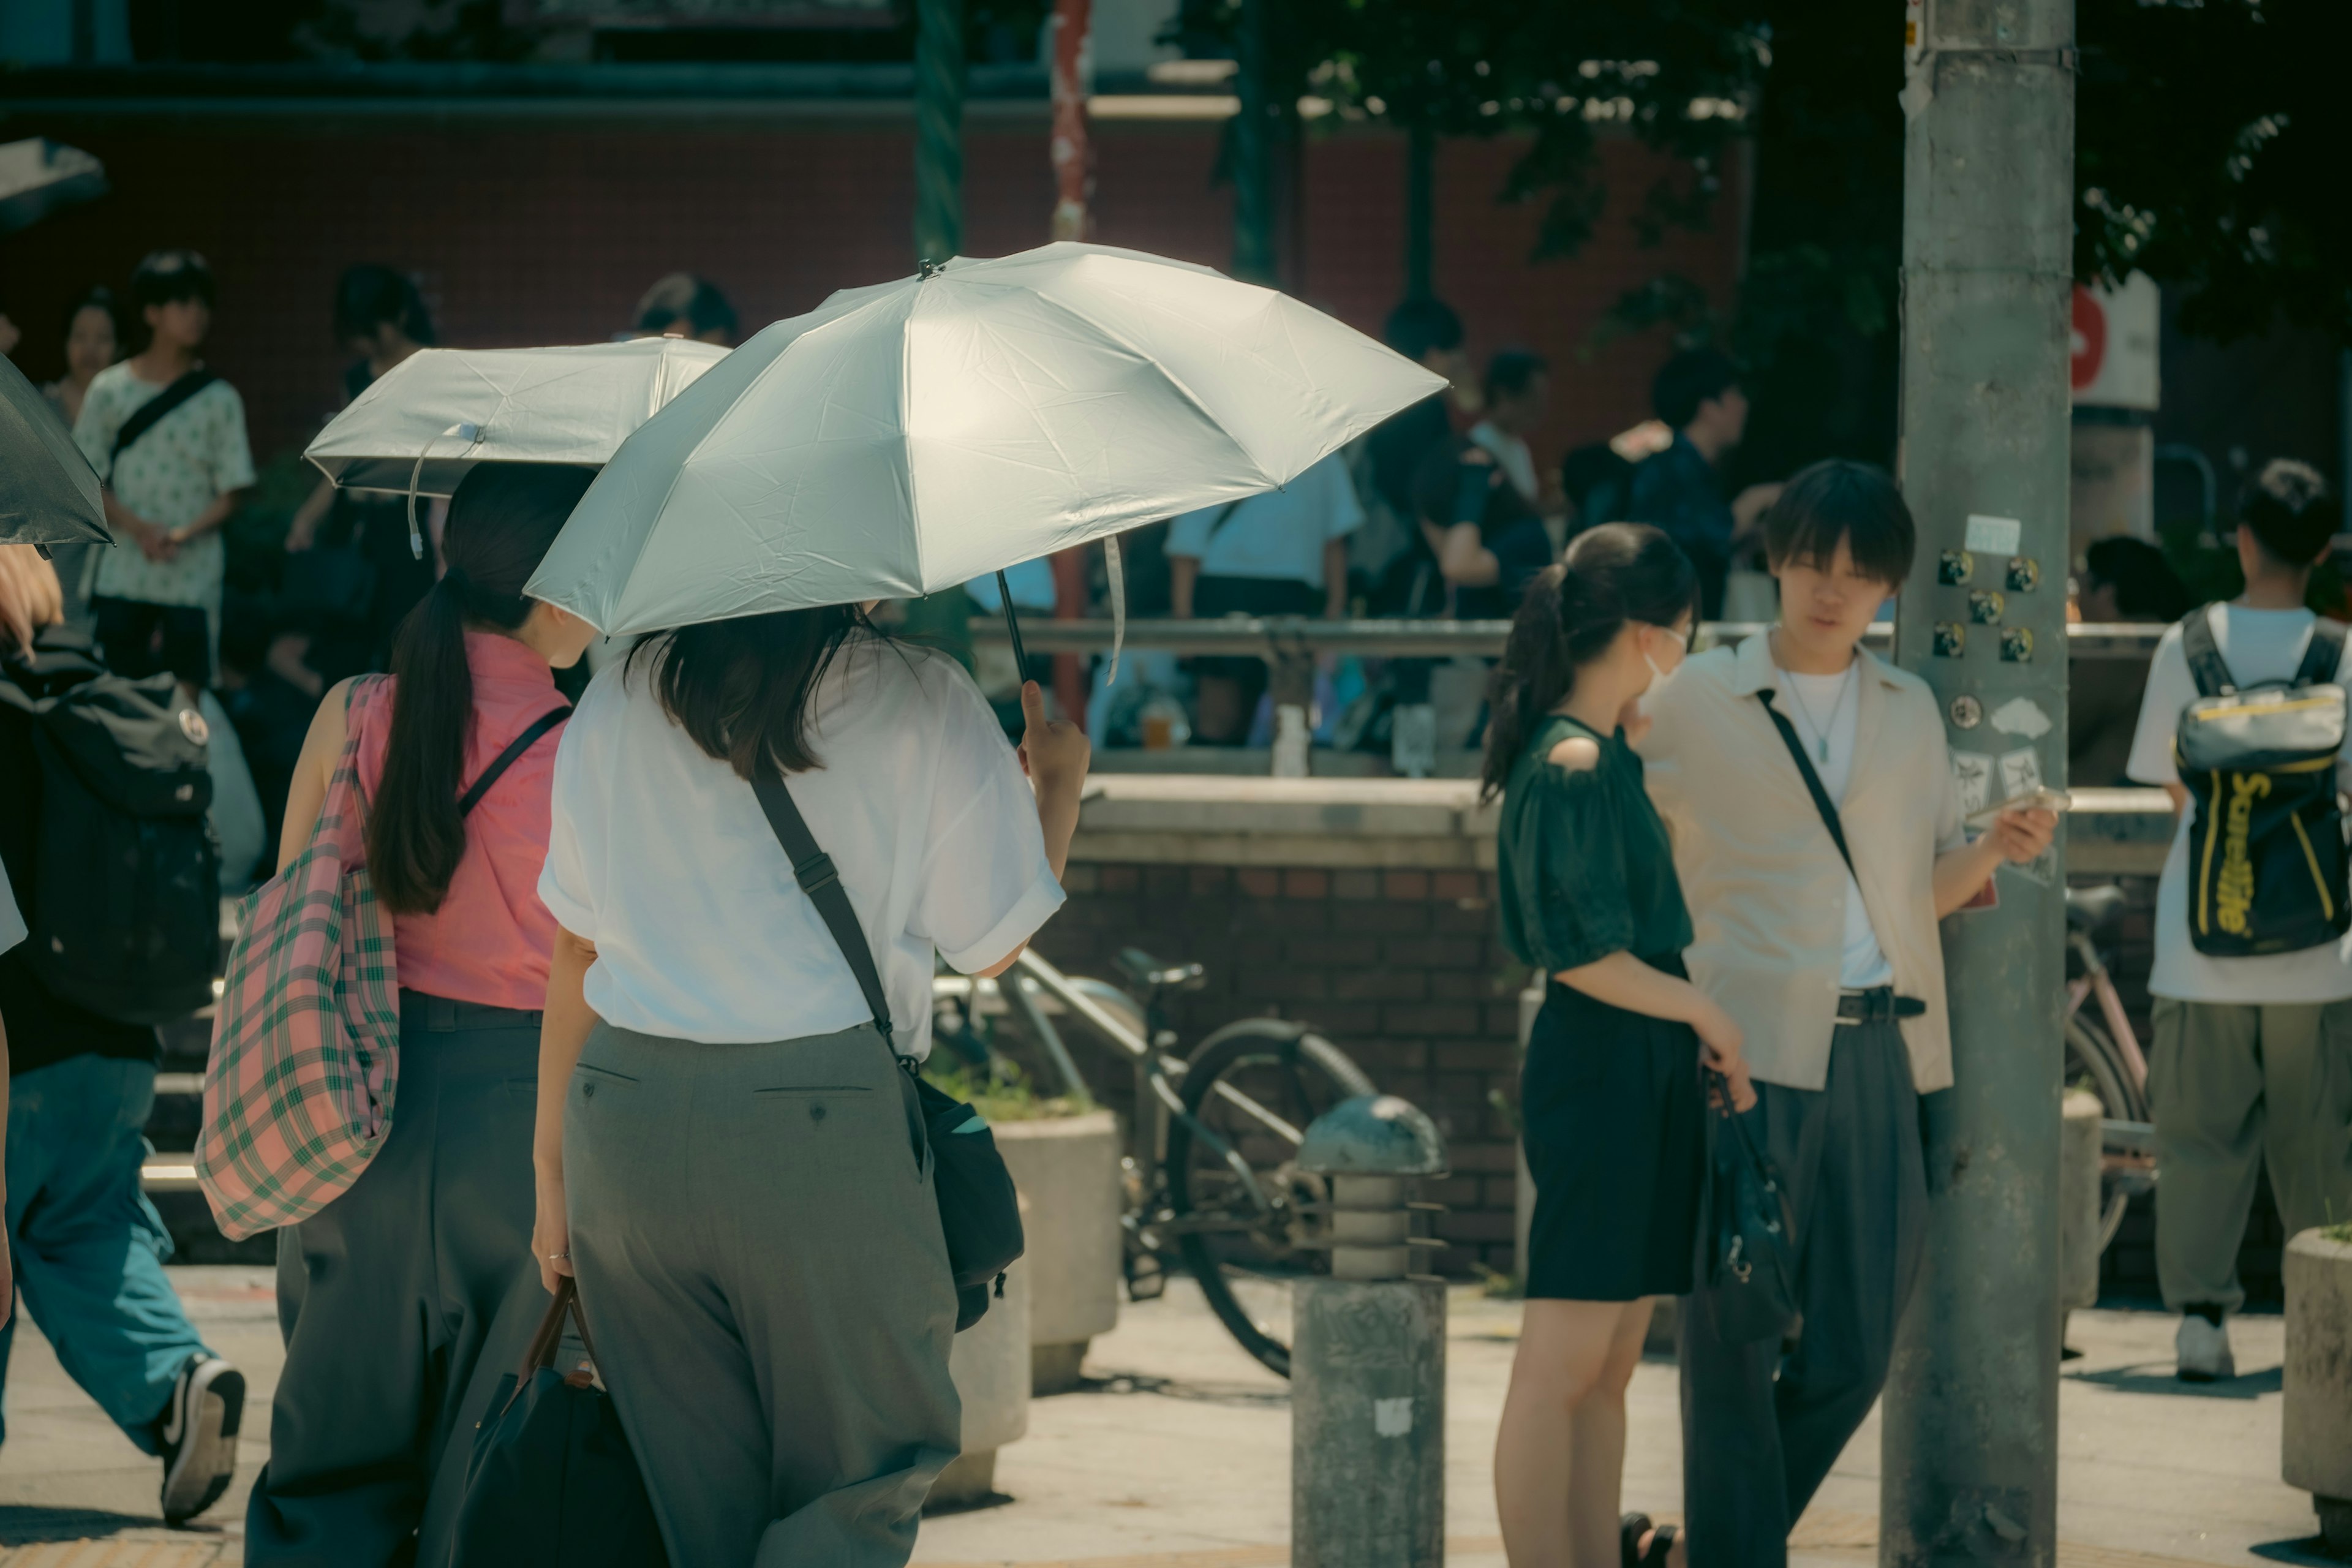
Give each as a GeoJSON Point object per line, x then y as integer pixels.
{"type": "Point", "coordinates": [1275, 637]}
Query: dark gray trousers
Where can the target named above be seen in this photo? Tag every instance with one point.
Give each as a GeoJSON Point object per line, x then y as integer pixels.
{"type": "Point", "coordinates": [761, 1265]}
{"type": "Point", "coordinates": [402, 1303]}
{"type": "Point", "coordinates": [1761, 1430]}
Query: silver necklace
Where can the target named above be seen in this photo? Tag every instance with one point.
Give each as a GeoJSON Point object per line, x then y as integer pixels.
{"type": "Point", "coordinates": [1804, 710]}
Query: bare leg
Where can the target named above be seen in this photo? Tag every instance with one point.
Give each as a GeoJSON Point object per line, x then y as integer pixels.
{"type": "Point", "coordinates": [1564, 1349]}
{"type": "Point", "coordinates": [1597, 1461]}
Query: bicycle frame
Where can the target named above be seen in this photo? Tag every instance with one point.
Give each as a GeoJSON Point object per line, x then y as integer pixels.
{"type": "Point", "coordinates": [2095, 979]}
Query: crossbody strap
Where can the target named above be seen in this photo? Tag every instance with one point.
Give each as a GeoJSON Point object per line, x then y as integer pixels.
{"type": "Point", "coordinates": [813, 869]}
{"type": "Point", "coordinates": [2206, 666]}
{"type": "Point", "coordinates": [153, 412]}
{"type": "Point", "coordinates": [1821, 802]}
{"type": "Point", "coordinates": [507, 759]}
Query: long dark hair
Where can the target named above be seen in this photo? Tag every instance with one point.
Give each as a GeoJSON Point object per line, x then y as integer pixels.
{"type": "Point", "coordinates": [1615, 573]}
{"type": "Point", "coordinates": [501, 522]}
{"type": "Point", "coordinates": [741, 688]}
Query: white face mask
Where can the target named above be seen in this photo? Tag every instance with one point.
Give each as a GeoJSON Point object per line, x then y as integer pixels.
{"type": "Point", "coordinates": [1658, 676]}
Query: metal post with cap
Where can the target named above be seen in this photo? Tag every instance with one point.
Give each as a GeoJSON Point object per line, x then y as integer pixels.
{"type": "Point", "coordinates": [1368, 1350]}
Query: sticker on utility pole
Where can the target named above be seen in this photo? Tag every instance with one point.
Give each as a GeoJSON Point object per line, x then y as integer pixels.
{"type": "Point", "coordinates": [1392, 1418]}
{"type": "Point", "coordinates": [1993, 535]}
{"type": "Point", "coordinates": [2020, 773]}
{"type": "Point", "coordinates": [1973, 771]}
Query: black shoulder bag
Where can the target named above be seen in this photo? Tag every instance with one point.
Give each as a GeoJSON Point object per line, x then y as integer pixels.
{"type": "Point", "coordinates": [979, 1210]}
{"type": "Point", "coordinates": [154, 411]}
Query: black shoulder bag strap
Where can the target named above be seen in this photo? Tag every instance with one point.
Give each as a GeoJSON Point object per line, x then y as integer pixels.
{"type": "Point", "coordinates": [508, 758]}
{"type": "Point", "coordinates": [1821, 802]}
{"type": "Point", "coordinates": [2324, 655]}
{"type": "Point", "coordinates": [813, 869]}
{"type": "Point", "coordinates": [2204, 655]}
{"type": "Point", "coordinates": [1224, 515]}
{"type": "Point", "coordinates": [154, 411]}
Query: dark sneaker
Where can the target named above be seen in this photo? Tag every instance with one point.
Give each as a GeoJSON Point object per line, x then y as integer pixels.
{"type": "Point", "coordinates": [199, 1436]}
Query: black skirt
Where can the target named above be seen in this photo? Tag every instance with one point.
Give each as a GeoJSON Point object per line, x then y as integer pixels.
{"type": "Point", "coordinates": [1615, 1125]}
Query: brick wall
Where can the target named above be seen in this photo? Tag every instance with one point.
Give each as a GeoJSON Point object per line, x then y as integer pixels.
{"type": "Point", "coordinates": [1402, 969]}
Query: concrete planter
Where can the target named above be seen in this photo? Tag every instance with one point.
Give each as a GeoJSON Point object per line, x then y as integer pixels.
{"type": "Point", "coordinates": [1067, 1169]}
{"type": "Point", "coordinates": [2315, 1437]}
{"type": "Point", "coordinates": [990, 1365]}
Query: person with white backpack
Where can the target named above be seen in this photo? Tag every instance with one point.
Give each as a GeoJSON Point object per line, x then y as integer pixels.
{"type": "Point", "coordinates": [2244, 724]}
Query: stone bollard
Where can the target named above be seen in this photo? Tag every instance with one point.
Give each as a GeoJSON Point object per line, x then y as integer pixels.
{"type": "Point", "coordinates": [1066, 1168]}
{"type": "Point", "coordinates": [1367, 1354]}
{"type": "Point", "coordinates": [2315, 1419]}
{"type": "Point", "coordinates": [2079, 1147]}
{"type": "Point", "coordinates": [989, 1363]}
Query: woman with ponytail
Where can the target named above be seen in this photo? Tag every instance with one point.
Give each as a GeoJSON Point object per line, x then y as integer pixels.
{"type": "Point", "coordinates": [1611, 1102]}
{"type": "Point", "coordinates": [403, 1299]}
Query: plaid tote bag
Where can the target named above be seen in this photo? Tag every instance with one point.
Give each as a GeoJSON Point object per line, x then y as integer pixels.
{"type": "Point", "coordinates": [299, 1092]}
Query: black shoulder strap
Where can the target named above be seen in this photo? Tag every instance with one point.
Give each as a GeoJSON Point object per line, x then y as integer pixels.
{"type": "Point", "coordinates": [813, 869]}
{"type": "Point", "coordinates": [1821, 802]}
{"type": "Point", "coordinates": [153, 412]}
{"type": "Point", "coordinates": [2212, 676]}
{"type": "Point", "coordinates": [2323, 656]}
{"type": "Point", "coordinates": [506, 759]}
{"type": "Point", "coordinates": [1224, 515]}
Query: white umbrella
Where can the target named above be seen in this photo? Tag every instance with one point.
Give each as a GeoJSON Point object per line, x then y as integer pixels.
{"type": "Point", "coordinates": [910, 436]}
{"type": "Point", "coordinates": [421, 426]}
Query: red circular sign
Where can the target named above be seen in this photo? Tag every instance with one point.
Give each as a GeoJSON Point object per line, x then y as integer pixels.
{"type": "Point", "coordinates": [2090, 338]}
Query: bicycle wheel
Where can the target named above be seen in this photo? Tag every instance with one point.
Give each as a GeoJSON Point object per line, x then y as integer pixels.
{"type": "Point", "coordinates": [2093, 1062]}
{"type": "Point", "coordinates": [1255, 1085]}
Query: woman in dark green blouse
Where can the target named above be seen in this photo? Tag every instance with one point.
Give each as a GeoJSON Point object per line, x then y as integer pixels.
{"type": "Point", "coordinates": [1611, 1102]}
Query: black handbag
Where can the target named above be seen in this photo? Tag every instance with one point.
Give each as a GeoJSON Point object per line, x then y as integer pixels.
{"type": "Point", "coordinates": [979, 1212]}
{"type": "Point", "coordinates": [1751, 1262]}
{"type": "Point", "coordinates": [552, 1482]}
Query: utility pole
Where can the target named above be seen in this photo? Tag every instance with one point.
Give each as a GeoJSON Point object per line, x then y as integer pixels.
{"type": "Point", "coordinates": [1071, 83]}
{"type": "Point", "coordinates": [1970, 1451]}
{"type": "Point", "coordinates": [939, 129]}
{"type": "Point", "coordinates": [1253, 149]}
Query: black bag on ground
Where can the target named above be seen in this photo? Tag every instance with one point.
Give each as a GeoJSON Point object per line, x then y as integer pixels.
{"type": "Point", "coordinates": [1750, 1237]}
{"type": "Point", "coordinates": [978, 1209]}
{"type": "Point", "coordinates": [124, 907]}
{"type": "Point", "coordinates": [552, 1482]}
{"type": "Point", "coordinates": [2266, 852]}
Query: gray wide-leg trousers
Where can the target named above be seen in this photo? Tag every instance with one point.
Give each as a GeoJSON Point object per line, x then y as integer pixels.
{"type": "Point", "coordinates": [403, 1302]}
{"type": "Point", "coordinates": [1761, 1430]}
{"type": "Point", "coordinates": [761, 1266]}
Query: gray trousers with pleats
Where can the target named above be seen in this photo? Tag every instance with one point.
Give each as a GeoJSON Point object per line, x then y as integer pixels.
{"type": "Point", "coordinates": [761, 1266]}
{"type": "Point", "coordinates": [1760, 1430]}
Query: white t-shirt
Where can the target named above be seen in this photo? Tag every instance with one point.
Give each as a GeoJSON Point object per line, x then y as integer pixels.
{"type": "Point", "coordinates": [2257, 646]}
{"type": "Point", "coordinates": [1279, 534]}
{"type": "Point", "coordinates": [1836, 700]}
{"type": "Point", "coordinates": [1513, 456]}
{"type": "Point", "coordinates": [11, 919]}
{"type": "Point", "coordinates": [661, 855]}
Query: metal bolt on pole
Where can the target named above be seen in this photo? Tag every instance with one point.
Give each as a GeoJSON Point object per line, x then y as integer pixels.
{"type": "Point", "coordinates": [1368, 1353]}
{"type": "Point", "coordinates": [939, 129]}
{"type": "Point", "coordinates": [1969, 1452]}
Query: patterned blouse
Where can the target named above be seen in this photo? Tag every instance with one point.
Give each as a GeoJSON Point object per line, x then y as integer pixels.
{"type": "Point", "coordinates": [169, 475]}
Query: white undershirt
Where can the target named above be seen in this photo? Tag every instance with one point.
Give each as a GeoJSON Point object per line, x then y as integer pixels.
{"type": "Point", "coordinates": [1836, 700]}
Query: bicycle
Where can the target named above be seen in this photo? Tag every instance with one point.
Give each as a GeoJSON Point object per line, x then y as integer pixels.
{"type": "Point", "coordinates": [2105, 1057]}
{"type": "Point", "coordinates": [1209, 1172]}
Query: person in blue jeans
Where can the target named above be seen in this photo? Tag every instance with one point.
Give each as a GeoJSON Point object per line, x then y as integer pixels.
{"type": "Point", "coordinates": [85, 1246]}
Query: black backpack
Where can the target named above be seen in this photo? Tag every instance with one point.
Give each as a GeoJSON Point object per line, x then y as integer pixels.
{"type": "Point", "coordinates": [124, 905]}
{"type": "Point", "coordinates": [2266, 852]}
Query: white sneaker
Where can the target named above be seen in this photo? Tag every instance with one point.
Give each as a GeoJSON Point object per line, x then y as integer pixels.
{"type": "Point", "coordinates": [2203, 1349]}
{"type": "Point", "coordinates": [199, 1436]}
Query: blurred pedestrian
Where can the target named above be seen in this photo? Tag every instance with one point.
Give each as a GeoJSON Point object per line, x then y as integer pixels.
{"type": "Point", "coordinates": [2123, 580]}
{"type": "Point", "coordinates": [684, 306]}
{"type": "Point", "coordinates": [381, 320]}
{"type": "Point", "coordinates": [1697, 394]}
{"type": "Point", "coordinates": [85, 1246]}
{"type": "Point", "coordinates": [93, 341]}
{"type": "Point", "coordinates": [404, 1299]}
{"type": "Point", "coordinates": [1283, 552]}
{"type": "Point", "coordinates": [1479, 501]}
{"type": "Point", "coordinates": [774, 1314]}
{"type": "Point", "coordinates": [1613, 1111]}
{"type": "Point", "coordinates": [167, 436]}
{"type": "Point", "coordinates": [2253, 1058]}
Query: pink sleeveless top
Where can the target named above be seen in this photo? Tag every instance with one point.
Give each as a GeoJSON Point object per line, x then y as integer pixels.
{"type": "Point", "coordinates": [490, 940]}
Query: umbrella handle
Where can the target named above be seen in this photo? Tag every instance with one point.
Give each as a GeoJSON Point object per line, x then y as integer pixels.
{"type": "Point", "coordinates": [1012, 625]}
{"type": "Point", "coordinates": [473, 435]}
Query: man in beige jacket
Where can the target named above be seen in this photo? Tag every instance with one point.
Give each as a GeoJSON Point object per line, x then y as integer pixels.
{"type": "Point", "coordinates": [1827, 955]}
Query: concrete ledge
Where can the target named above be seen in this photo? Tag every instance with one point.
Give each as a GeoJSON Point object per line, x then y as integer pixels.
{"type": "Point", "coordinates": [1438, 824]}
